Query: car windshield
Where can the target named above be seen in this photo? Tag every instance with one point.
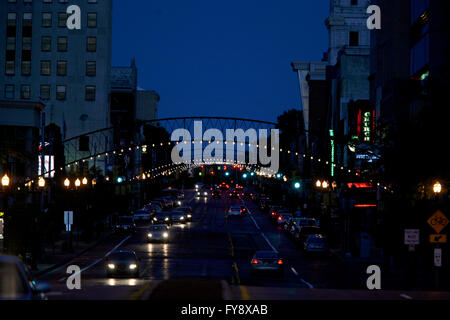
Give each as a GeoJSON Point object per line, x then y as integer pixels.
{"type": "Point", "coordinates": [266, 255]}
{"type": "Point", "coordinates": [317, 240]}
{"type": "Point", "coordinates": [158, 228]}
{"type": "Point", "coordinates": [125, 219]}
{"type": "Point", "coordinates": [12, 285]}
{"type": "Point", "coordinates": [123, 255]}
{"type": "Point", "coordinates": [235, 208]}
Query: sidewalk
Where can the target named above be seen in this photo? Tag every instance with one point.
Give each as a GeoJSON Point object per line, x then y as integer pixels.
{"type": "Point", "coordinates": [53, 258]}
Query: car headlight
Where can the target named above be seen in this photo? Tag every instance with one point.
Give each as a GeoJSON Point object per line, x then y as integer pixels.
{"type": "Point", "coordinates": [182, 218]}
{"type": "Point", "coordinates": [154, 219]}
{"type": "Point", "coordinates": [205, 193]}
{"type": "Point", "coordinates": [198, 193]}
{"type": "Point", "coordinates": [179, 203]}
{"type": "Point", "coordinates": [189, 216]}
{"type": "Point", "coordinates": [166, 219]}
{"type": "Point", "coordinates": [133, 266]}
{"type": "Point", "coordinates": [149, 235]}
{"type": "Point", "coordinates": [111, 266]}
{"type": "Point", "coordinates": [165, 235]}
{"type": "Point", "coordinates": [196, 186]}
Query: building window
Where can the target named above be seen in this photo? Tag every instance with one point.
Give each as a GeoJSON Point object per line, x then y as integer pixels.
{"type": "Point", "coordinates": [27, 19]}
{"type": "Point", "coordinates": [354, 2]}
{"type": "Point", "coordinates": [91, 44]}
{"type": "Point", "coordinates": [62, 44]}
{"type": "Point", "coordinates": [26, 68]}
{"type": "Point", "coordinates": [60, 92]}
{"type": "Point", "coordinates": [45, 92]}
{"type": "Point", "coordinates": [9, 68]}
{"type": "Point", "coordinates": [25, 91]}
{"type": "Point", "coordinates": [90, 93]}
{"type": "Point", "coordinates": [26, 43]}
{"type": "Point", "coordinates": [61, 68]}
{"type": "Point", "coordinates": [11, 19]}
{"type": "Point", "coordinates": [11, 43]}
{"type": "Point", "coordinates": [62, 19]}
{"type": "Point", "coordinates": [91, 68]}
{"type": "Point", "coordinates": [9, 91]}
{"type": "Point", "coordinates": [92, 20]}
{"type": "Point", "coordinates": [45, 68]}
{"type": "Point", "coordinates": [46, 43]}
{"type": "Point", "coordinates": [46, 19]}
{"type": "Point", "coordinates": [354, 39]}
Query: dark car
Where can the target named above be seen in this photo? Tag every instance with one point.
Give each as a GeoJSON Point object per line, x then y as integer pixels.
{"type": "Point", "coordinates": [187, 210]}
{"type": "Point", "coordinates": [216, 194]}
{"type": "Point", "coordinates": [162, 218]}
{"type": "Point", "coordinates": [122, 263]}
{"type": "Point", "coordinates": [267, 261]}
{"type": "Point", "coordinates": [303, 232]}
{"type": "Point", "coordinates": [125, 224]}
{"type": "Point", "coordinates": [178, 217]}
{"type": "Point", "coordinates": [17, 283]}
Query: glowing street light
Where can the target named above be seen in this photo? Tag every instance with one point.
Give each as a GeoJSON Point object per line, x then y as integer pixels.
{"type": "Point", "coordinates": [324, 184]}
{"type": "Point", "coordinates": [437, 187]}
{"type": "Point", "coordinates": [41, 182]}
{"type": "Point", "coordinates": [84, 181]}
{"type": "Point", "coordinates": [297, 185]}
{"type": "Point", "coordinates": [77, 183]}
{"type": "Point", "coordinates": [67, 183]}
{"type": "Point", "coordinates": [318, 183]}
{"type": "Point", "coordinates": [5, 180]}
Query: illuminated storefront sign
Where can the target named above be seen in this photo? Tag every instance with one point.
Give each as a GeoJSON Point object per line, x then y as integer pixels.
{"type": "Point", "coordinates": [365, 124]}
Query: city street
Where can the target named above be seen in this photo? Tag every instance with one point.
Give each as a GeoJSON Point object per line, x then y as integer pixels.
{"type": "Point", "coordinates": [216, 253]}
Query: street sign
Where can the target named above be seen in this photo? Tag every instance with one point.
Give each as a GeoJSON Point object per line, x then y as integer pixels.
{"type": "Point", "coordinates": [412, 236]}
{"type": "Point", "coordinates": [438, 221]}
{"type": "Point", "coordinates": [438, 238]}
{"type": "Point", "coordinates": [438, 257]}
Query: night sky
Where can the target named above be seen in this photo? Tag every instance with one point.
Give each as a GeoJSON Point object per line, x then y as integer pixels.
{"type": "Point", "coordinates": [220, 58]}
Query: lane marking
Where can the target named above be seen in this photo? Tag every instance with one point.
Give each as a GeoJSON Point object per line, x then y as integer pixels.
{"type": "Point", "coordinates": [303, 281]}
{"type": "Point", "coordinates": [98, 260]}
{"type": "Point", "coordinates": [405, 296]}
{"type": "Point", "coordinates": [244, 293]}
{"type": "Point", "coordinates": [138, 294]}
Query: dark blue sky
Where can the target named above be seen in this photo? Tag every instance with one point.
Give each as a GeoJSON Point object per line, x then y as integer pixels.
{"type": "Point", "coordinates": [220, 58]}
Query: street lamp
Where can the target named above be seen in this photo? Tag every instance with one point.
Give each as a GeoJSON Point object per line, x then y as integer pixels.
{"type": "Point", "coordinates": [94, 182]}
{"type": "Point", "coordinates": [77, 183]}
{"type": "Point", "coordinates": [41, 182]}
{"type": "Point", "coordinates": [297, 185]}
{"type": "Point", "coordinates": [318, 183]}
{"type": "Point", "coordinates": [5, 180]}
{"type": "Point", "coordinates": [84, 181]}
{"type": "Point", "coordinates": [437, 187]}
{"type": "Point", "coordinates": [325, 184]}
{"type": "Point", "coordinates": [67, 183]}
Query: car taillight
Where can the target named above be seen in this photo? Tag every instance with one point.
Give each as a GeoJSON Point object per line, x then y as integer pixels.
{"type": "Point", "coordinates": [229, 210]}
{"type": "Point", "coordinates": [280, 261]}
{"type": "Point", "coordinates": [273, 213]}
{"type": "Point", "coordinates": [279, 219]}
{"type": "Point", "coordinates": [240, 210]}
{"type": "Point", "coordinates": [255, 261]}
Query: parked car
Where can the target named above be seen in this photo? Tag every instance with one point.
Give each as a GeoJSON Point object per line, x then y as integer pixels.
{"type": "Point", "coordinates": [266, 261]}
{"type": "Point", "coordinates": [315, 243]}
{"type": "Point", "coordinates": [141, 215]}
{"type": "Point", "coordinates": [17, 283]}
{"type": "Point", "coordinates": [158, 232]}
{"type": "Point", "coordinates": [122, 263]}
{"type": "Point", "coordinates": [283, 218]}
{"type": "Point", "coordinates": [125, 224]}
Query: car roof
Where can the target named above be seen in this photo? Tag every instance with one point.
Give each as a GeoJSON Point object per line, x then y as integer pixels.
{"type": "Point", "coordinates": [159, 226]}
{"type": "Point", "coordinates": [266, 253]}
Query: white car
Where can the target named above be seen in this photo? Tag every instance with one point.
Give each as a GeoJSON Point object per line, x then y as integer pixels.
{"type": "Point", "coordinates": [141, 215]}
{"type": "Point", "coordinates": [158, 232]}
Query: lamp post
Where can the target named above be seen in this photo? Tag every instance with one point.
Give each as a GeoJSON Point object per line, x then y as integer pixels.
{"type": "Point", "coordinates": [5, 186]}
{"type": "Point", "coordinates": [437, 188]}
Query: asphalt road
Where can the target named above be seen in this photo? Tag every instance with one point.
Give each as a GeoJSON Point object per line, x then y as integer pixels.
{"type": "Point", "coordinates": [209, 258]}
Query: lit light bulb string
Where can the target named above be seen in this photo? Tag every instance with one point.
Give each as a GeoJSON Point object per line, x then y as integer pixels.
{"type": "Point", "coordinates": [120, 152]}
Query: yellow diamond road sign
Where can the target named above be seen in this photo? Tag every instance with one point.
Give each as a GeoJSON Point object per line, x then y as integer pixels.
{"type": "Point", "coordinates": [438, 221]}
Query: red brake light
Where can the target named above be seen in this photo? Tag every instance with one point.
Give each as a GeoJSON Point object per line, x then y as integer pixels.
{"type": "Point", "coordinates": [280, 261]}
{"type": "Point", "coordinates": [240, 210]}
{"type": "Point", "coordinates": [255, 261]}
{"type": "Point", "coordinates": [279, 218]}
{"type": "Point", "coordinates": [229, 210]}
{"type": "Point", "coordinates": [273, 213]}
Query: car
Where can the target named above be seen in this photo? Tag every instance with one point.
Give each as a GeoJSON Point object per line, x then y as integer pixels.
{"type": "Point", "coordinates": [141, 215]}
{"type": "Point", "coordinates": [158, 232]}
{"type": "Point", "coordinates": [162, 218]}
{"type": "Point", "coordinates": [244, 209]}
{"type": "Point", "coordinates": [180, 195]}
{"type": "Point", "coordinates": [234, 211]}
{"type": "Point", "coordinates": [315, 243]}
{"type": "Point", "coordinates": [216, 194]}
{"type": "Point", "coordinates": [188, 212]}
{"type": "Point", "coordinates": [266, 261]}
{"type": "Point", "coordinates": [202, 193]}
{"type": "Point", "coordinates": [122, 263]}
{"type": "Point", "coordinates": [296, 223]}
{"type": "Point", "coordinates": [234, 194]}
{"type": "Point", "coordinates": [17, 283]}
{"type": "Point", "coordinates": [178, 217]}
{"type": "Point", "coordinates": [274, 210]}
{"type": "Point", "coordinates": [303, 232]}
{"type": "Point", "coordinates": [152, 208]}
{"type": "Point", "coordinates": [283, 218]}
{"type": "Point", "coordinates": [198, 186]}
{"type": "Point", "coordinates": [125, 224]}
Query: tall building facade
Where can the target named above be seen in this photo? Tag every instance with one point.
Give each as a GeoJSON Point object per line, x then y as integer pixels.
{"type": "Point", "coordinates": [68, 70]}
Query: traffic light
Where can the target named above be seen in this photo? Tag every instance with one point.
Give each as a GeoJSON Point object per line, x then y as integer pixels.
{"type": "Point", "coordinates": [244, 176]}
{"type": "Point", "coordinates": [279, 175]}
{"type": "Point", "coordinates": [225, 168]}
{"type": "Point", "coordinates": [252, 174]}
{"type": "Point", "coordinates": [227, 173]}
{"type": "Point", "coordinates": [119, 179]}
{"type": "Point", "coordinates": [297, 185]}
